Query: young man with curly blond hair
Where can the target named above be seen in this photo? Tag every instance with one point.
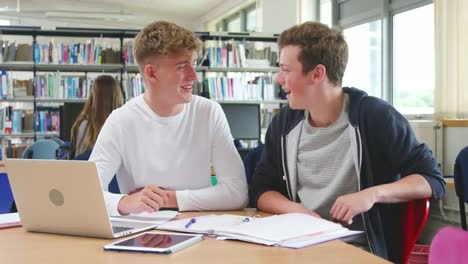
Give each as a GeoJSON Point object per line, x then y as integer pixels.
{"type": "Point", "coordinates": [163, 143]}
{"type": "Point", "coordinates": [336, 152]}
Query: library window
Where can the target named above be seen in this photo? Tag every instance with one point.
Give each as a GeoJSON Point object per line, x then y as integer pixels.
{"type": "Point", "coordinates": [365, 59]}
{"type": "Point", "coordinates": [234, 24]}
{"type": "Point", "coordinates": [251, 22]}
{"type": "Point", "coordinates": [326, 12]}
{"type": "Point", "coordinates": [413, 60]}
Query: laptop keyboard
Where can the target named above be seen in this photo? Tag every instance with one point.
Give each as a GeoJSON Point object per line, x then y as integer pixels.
{"type": "Point", "coordinates": [118, 229]}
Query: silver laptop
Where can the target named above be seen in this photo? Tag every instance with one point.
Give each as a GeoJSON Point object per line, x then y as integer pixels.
{"type": "Point", "coordinates": [64, 197]}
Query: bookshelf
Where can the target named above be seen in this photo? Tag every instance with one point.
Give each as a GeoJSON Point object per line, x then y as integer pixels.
{"type": "Point", "coordinates": [47, 57]}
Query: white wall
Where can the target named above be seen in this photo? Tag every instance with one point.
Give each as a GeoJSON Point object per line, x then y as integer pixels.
{"type": "Point", "coordinates": [455, 139]}
{"type": "Point", "coordinates": [431, 133]}
{"type": "Point", "coordinates": [90, 23]}
{"type": "Point", "coordinates": [228, 7]}
{"type": "Point", "coordinates": [278, 15]}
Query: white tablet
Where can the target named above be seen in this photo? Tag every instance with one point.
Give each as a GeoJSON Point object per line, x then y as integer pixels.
{"type": "Point", "coordinates": [164, 243]}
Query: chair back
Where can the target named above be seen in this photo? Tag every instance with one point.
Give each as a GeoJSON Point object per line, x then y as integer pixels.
{"type": "Point", "coordinates": [460, 175]}
{"type": "Point", "coordinates": [250, 161]}
{"type": "Point", "coordinates": [58, 140]}
{"type": "Point", "coordinates": [113, 185]}
{"type": "Point", "coordinates": [83, 156]}
{"type": "Point", "coordinates": [41, 149]}
{"type": "Point", "coordinates": [449, 245]}
{"type": "Point", "coordinates": [414, 218]}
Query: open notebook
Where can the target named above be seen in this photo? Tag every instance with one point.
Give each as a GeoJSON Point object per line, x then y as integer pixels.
{"type": "Point", "coordinates": [207, 224]}
{"type": "Point", "coordinates": [287, 230]}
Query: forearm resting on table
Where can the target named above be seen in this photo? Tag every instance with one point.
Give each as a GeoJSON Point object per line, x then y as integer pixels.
{"type": "Point", "coordinates": [411, 187]}
{"type": "Point", "coordinates": [274, 202]}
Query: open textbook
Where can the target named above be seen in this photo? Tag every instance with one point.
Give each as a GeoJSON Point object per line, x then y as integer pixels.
{"type": "Point", "coordinates": [288, 230]}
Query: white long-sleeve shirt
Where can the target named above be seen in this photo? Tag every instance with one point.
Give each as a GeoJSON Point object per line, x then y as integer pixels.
{"type": "Point", "coordinates": [175, 152]}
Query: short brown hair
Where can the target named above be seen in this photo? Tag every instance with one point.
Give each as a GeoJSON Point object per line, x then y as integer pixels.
{"type": "Point", "coordinates": [320, 45]}
{"type": "Point", "coordinates": [163, 38]}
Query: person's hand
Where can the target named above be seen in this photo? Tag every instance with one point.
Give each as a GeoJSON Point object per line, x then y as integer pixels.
{"type": "Point", "coordinates": [350, 205]}
{"type": "Point", "coordinates": [154, 240]}
{"type": "Point", "coordinates": [148, 199]}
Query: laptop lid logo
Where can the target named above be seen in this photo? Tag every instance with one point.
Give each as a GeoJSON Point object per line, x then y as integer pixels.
{"type": "Point", "coordinates": [56, 197]}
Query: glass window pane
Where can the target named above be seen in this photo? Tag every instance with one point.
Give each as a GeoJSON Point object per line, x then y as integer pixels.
{"type": "Point", "coordinates": [326, 12]}
{"type": "Point", "coordinates": [365, 58]}
{"type": "Point", "coordinates": [413, 60]}
{"type": "Point", "coordinates": [234, 25]}
{"type": "Point", "coordinates": [252, 20]}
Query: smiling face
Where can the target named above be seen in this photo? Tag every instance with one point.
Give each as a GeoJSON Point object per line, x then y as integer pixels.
{"type": "Point", "coordinates": [294, 81]}
{"type": "Point", "coordinates": [173, 76]}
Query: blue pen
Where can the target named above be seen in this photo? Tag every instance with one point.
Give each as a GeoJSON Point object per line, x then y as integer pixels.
{"type": "Point", "coordinates": [245, 220]}
{"type": "Point", "coordinates": [190, 222]}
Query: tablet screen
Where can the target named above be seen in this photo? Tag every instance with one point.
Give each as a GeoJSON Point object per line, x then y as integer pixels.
{"type": "Point", "coordinates": [154, 240]}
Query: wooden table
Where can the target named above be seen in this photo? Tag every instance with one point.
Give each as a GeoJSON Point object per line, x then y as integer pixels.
{"type": "Point", "coordinates": [19, 246]}
{"type": "Point", "coordinates": [450, 183]}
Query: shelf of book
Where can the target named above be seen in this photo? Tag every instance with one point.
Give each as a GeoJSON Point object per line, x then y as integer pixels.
{"type": "Point", "coordinates": [43, 100]}
{"type": "Point", "coordinates": [29, 66]}
{"type": "Point", "coordinates": [17, 66]}
{"type": "Point", "coordinates": [250, 36]}
{"type": "Point", "coordinates": [17, 100]}
{"type": "Point", "coordinates": [276, 101]}
{"type": "Point", "coordinates": [25, 134]}
{"type": "Point", "coordinates": [80, 67]}
{"type": "Point", "coordinates": [134, 69]}
{"type": "Point", "coordinates": [239, 69]}
{"type": "Point", "coordinates": [31, 134]}
{"type": "Point", "coordinates": [57, 100]}
{"type": "Point", "coordinates": [47, 134]}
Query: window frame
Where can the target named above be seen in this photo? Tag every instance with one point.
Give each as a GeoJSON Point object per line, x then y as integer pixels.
{"type": "Point", "coordinates": [364, 11]}
{"type": "Point", "coordinates": [222, 25]}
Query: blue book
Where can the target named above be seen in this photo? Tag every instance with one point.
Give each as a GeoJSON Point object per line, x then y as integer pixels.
{"type": "Point", "coordinates": [16, 124]}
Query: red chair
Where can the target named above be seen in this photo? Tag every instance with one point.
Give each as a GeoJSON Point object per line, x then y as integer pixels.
{"type": "Point", "coordinates": [414, 218]}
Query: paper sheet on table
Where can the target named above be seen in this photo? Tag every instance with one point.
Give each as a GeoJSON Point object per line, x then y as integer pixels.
{"type": "Point", "coordinates": [207, 224]}
{"type": "Point", "coordinates": [157, 218]}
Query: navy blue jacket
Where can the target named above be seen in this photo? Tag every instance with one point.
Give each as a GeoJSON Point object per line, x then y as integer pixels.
{"type": "Point", "coordinates": [389, 151]}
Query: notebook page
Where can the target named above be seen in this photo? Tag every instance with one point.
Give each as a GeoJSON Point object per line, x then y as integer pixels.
{"type": "Point", "coordinates": [204, 224]}
{"type": "Point", "coordinates": [313, 240]}
{"type": "Point", "coordinates": [279, 228]}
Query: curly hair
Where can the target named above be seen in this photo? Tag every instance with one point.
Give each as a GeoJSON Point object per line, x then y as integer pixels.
{"type": "Point", "coordinates": [163, 38]}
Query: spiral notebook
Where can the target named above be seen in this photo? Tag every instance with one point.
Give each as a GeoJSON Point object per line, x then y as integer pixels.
{"type": "Point", "coordinates": [9, 220]}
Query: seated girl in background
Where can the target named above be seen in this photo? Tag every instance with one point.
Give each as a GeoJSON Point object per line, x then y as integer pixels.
{"type": "Point", "coordinates": [105, 96]}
